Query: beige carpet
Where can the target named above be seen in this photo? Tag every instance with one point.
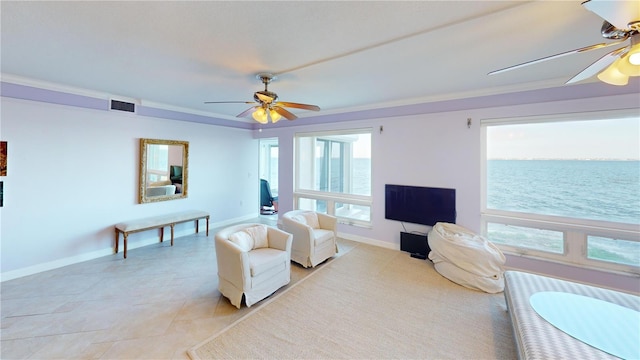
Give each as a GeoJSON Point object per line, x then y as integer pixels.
{"type": "Point", "coordinates": [370, 303]}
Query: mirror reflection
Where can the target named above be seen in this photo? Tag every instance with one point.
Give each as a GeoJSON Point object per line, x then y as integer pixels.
{"type": "Point", "coordinates": [163, 170]}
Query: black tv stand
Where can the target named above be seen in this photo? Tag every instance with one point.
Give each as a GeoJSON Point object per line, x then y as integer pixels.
{"type": "Point", "coordinates": [416, 244]}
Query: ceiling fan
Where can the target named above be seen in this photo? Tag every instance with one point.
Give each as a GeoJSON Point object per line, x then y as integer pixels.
{"type": "Point", "coordinates": [621, 23]}
{"type": "Point", "coordinates": [267, 105]}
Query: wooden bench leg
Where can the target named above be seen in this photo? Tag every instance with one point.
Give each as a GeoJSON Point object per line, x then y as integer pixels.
{"type": "Point", "coordinates": [197, 225]}
{"type": "Point", "coordinates": [172, 225]}
{"type": "Point", "coordinates": [125, 245]}
{"type": "Point", "coordinates": [207, 226]}
{"type": "Point", "coordinates": [161, 233]}
{"type": "Point", "coordinates": [117, 241]}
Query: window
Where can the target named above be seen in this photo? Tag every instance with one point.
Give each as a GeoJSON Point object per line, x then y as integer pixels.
{"type": "Point", "coordinates": [526, 237]}
{"type": "Point", "coordinates": [565, 188]}
{"type": "Point", "coordinates": [613, 250]}
{"type": "Point", "coordinates": [157, 163]}
{"type": "Point", "coordinates": [333, 174]}
{"type": "Point", "coordinates": [269, 163]}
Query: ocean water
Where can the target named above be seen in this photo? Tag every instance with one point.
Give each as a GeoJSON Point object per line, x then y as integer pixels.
{"type": "Point", "coordinates": [362, 176]}
{"type": "Point", "coordinates": [596, 190]}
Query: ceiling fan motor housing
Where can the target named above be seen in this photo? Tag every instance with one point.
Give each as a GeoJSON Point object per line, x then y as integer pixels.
{"type": "Point", "coordinates": [609, 31]}
{"type": "Point", "coordinates": [267, 97]}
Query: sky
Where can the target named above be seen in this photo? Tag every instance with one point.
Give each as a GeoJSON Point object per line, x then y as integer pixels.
{"type": "Point", "coordinates": [617, 139]}
{"type": "Point", "coordinates": [362, 147]}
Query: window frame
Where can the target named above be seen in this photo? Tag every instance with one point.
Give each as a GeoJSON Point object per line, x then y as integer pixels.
{"type": "Point", "coordinates": [575, 230]}
{"type": "Point", "coordinates": [332, 197]}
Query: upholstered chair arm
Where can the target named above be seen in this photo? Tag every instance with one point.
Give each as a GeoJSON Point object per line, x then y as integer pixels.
{"type": "Point", "coordinates": [279, 239]}
{"type": "Point", "coordinates": [233, 263]}
{"type": "Point", "coordinates": [301, 232]}
{"type": "Point", "coordinates": [327, 222]}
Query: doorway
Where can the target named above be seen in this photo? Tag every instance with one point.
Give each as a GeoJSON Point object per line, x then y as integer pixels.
{"type": "Point", "coordinates": [269, 172]}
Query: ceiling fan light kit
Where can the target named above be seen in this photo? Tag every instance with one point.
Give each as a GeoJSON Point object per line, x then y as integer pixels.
{"type": "Point", "coordinates": [613, 76]}
{"type": "Point", "coordinates": [630, 62]}
{"type": "Point", "coordinates": [617, 66]}
{"type": "Point", "coordinates": [267, 107]}
{"type": "Point", "coordinates": [274, 116]}
{"type": "Point", "coordinates": [625, 66]}
{"type": "Point", "coordinates": [262, 116]}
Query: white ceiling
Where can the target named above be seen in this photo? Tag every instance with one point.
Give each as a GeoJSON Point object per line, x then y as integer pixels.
{"type": "Point", "coordinates": [340, 55]}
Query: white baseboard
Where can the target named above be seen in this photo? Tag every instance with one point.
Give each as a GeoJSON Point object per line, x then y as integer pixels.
{"type": "Point", "coordinates": [30, 270]}
{"type": "Point", "coordinates": [236, 220]}
{"type": "Point", "coordinates": [152, 238]}
{"type": "Point", "coordinates": [369, 241]}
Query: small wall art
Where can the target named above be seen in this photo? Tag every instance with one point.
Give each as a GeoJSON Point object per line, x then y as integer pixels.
{"type": "Point", "coordinates": [3, 158]}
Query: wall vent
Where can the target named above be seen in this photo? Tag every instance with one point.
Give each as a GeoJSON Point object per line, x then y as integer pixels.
{"type": "Point", "coordinates": [123, 106]}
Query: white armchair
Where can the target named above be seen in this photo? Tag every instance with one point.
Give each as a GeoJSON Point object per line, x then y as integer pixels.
{"type": "Point", "coordinates": [254, 260]}
{"type": "Point", "coordinates": [314, 236]}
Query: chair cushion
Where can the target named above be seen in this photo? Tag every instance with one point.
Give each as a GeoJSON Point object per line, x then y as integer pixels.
{"type": "Point", "coordinates": [321, 236]}
{"type": "Point", "coordinates": [259, 235]}
{"type": "Point", "coordinates": [311, 219]}
{"type": "Point", "coordinates": [242, 239]}
{"type": "Point", "coordinates": [266, 259]}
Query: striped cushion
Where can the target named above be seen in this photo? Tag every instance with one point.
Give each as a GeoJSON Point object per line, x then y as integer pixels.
{"type": "Point", "coordinates": [538, 339]}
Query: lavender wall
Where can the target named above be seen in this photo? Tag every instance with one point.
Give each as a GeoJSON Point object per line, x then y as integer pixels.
{"type": "Point", "coordinates": [72, 169]}
{"type": "Point", "coordinates": [438, 149]}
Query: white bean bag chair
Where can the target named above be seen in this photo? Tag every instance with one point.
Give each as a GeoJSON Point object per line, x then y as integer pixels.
{"type": "Point", "coordinates": [466, 258]}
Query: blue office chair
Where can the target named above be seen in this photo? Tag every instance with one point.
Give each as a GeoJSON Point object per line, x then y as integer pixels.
{"type": "Point", "coordinates": [266, 199]}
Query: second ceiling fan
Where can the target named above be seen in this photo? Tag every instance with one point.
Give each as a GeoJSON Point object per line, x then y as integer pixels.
{"type": "Point", "coordinates": [621, 24]}
{"type": "Point", "coordinates": [267, 107]}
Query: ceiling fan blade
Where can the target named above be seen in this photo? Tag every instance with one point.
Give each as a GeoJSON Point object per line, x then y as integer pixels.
{"type": "Point", "coordinates": [299, 106]}
{"type": "Point", "coordinates": [285, 113]}
{"type": "Point", "coordinates": [247, 112]}
{"type": "Point", "coordinates": [599, 65]}
{"type": "Point", "coordinates": [617, 13]}
{"type": "Point", "coordinates": [228, 102]}
{"type": "Point", "coordinates": [583, 49]}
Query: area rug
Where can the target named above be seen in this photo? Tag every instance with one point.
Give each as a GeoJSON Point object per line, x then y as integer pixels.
{"type": "Point", "coordinates": [370, 303]}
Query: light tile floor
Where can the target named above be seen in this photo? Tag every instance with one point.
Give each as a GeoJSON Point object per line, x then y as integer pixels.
{"type": "Point", "coordinates": [156, 304]}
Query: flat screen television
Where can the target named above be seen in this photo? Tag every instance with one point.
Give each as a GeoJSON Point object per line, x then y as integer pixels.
{"type": "Point", "coordinates": [419, 205]}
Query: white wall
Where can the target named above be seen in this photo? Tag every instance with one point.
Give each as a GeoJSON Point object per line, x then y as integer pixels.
{"type": "Point", "coordinates": [73, 174]}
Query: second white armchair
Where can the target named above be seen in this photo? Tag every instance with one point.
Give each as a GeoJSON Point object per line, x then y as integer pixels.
{"type": "Point", "coordinates": [314, 236]}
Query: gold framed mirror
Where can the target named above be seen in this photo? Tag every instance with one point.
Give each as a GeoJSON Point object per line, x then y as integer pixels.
{"type": "Point", "coordinates": [163, 170]}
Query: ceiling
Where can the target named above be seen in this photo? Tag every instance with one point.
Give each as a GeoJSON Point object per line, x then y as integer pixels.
{"type": "Point", "coordinates": [341, 55]}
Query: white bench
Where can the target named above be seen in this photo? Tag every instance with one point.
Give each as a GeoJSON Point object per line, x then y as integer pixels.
{"type": "Point", "coordinates": [160, 222]}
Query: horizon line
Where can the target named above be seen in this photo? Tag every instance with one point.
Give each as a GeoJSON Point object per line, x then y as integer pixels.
{"type": "Point", "coordinates": [575, 159]}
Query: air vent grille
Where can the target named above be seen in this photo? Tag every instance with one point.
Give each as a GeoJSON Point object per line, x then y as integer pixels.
{"type": "Point", "coordinates": [123, 106]}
